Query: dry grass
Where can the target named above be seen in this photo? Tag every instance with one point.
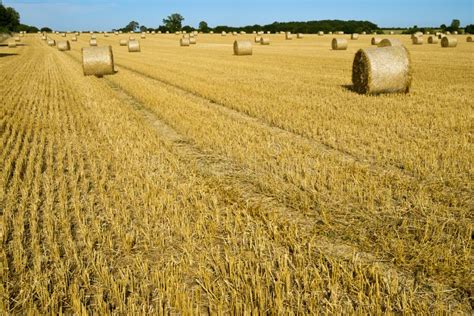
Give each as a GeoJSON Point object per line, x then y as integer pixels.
{"type": "Point", "coordinates": [194, 182]}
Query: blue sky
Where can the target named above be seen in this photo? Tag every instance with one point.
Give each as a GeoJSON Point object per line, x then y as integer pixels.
{"type": "Point", "coordinates": [108, 14]}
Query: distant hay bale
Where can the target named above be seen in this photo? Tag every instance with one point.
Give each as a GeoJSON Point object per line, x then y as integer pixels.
{"type": "Point", "coordinates": [192, 41]}
{"type": "Point", "coordinates": [340, 33]}
{"type": "Point", "coordinates": [11, 44]}
{"type": "Point", "coordinates": [93, 42]}
{"type": "Point", "coordinates": [184, 42]}
{"type": "Point", "coordinates": [223, 33]}
{"type": "Point", "coordinates": [63, 34]}
{"type": "Point", "coordinates": [321, 33]}
{"type": "Point", "coordinates": [354, 36]}
{"type": "Point", "coordinates": [417, 40]}
{"type": "Point", "coordinates": [339, 44]}
{"type": "Point", "coordinates": [264, 41]}
{"type": "Point", "coordinates": [299, 35]}
{"type": "Point", "coordinates": [242, 48]}
{"type": "Point", "coordinates": [390, 42]}
{"type": "Point", "coordinates": [234, 33]}
{"type": "Point", "coordinates": [51, 42]}
{"type": "Point", "coordinates": [288, 36]}
{"type": "Point", "coordinates": [455, 32]}
{"type": "Point", "coordinates": [17, 39]}
{"type": "Point", "coordinates": [375, 40]}
{"type": "Point", "coordinates": [448, 33]}
{"type": "Point", "coordinates": [364, 33]}
{"type": "Point", "coordinates": [143, 36]}
{"type": "Point", "coordinates": [243, 32]}
{"type": "Point", "coordinates": [106, 35]}
{"type": "Point", "coordinates": [123, 42]}
{"type": "Point", "coordinates": [93, 36]}
{"type": "Point", "coordinates": [44, 38]}
{"type": "Point", "coordinates": [268, 32]}
{"type": "Point", "coordinates": [98, 61]}
{"type": "Point", "coordinates": [64, 46]}
{"type": "Point", "coordinates": [74, 39]}
{"type": "Point", "coordinates": [449, 41]}
{"type": "Point", "coordinates": [392, 33]}
{"type": "Point", "coordinates": [330, 33]}
{"type": "Point", "coordinates": [433, 40]}
{"type": "Point", "coordinates": [469, 39]}
{"type": "Point", "coordinates": [134, 46]}
{"type": "Point", "coordinates": [258, 39]}
{"type": "Point", "coordinates": [260, 33]}
{"type": "Point", "coordinates": [382, 70]}
{"type": "Point", "coordinates": [131, 38]}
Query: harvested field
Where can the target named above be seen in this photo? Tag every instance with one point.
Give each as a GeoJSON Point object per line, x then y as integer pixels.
{"type": "Point", "coordinates": [195, 181]}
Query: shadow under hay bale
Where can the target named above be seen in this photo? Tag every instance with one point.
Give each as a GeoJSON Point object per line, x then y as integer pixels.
{"type": "Point", "coordinates": [7, 54]}
{"type": "Point", "coordinates": [382, 70]}
{"type": "Point", "coordinates": [98, 61]}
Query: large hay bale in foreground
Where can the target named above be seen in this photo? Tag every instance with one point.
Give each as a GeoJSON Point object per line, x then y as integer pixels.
{"type": "Point", "coordinates": [242, 48]}
{"type": "Point", "coordinates": [123, 42]}
{"type": "Point", "coordinates": [264, 41]}
{"type": "Point", "coordinates": [64, 46]}
{"type": "Point", "coordinates": [98, 61]}
{"type": "Point", "coordinates": [51, 42]}
{"type": "Point", "coordinates": [375, 40]}
{"type": "Point", "coordinates": [93, 42]}
{"type": "Point", "coordinates": [11, 44]}
{"type": "Point", "coordinates": [449, 41]}
{"type": "Point", "coordinates": [390, 42]}
{"type": "Point", "coordinates": [433, 39]}
{"type": "Point", "coordinates": [134, 46]}
{"type": "Point", "coordinates": [382, 70]}
{"type": "Point", "coordinates": [339, 44]}
{"type": "Point", "coordinates": [184, 42]}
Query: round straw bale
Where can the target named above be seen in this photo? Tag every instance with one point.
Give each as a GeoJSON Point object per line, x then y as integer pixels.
{"type": "Point", "coordinates": [264, 41]}
{"type": "Point", "coordinates": [469, 39]}
{"type": "Point", "coordinates": [131, 38]}
{"type": "Point", "coordinates": [354, 36]}
{"type": "Point", "coordinates": [192, 40]}
{"type": "Point", "coordinates": [51, 42]}
{"type": "Point", "coordinates": [44, 38]}
{"type": "Point", "coordinates": [300, 35]}
{"type": "Point", "coordinates": [339, 44]}
{"type": "Point", "coordinates": [93, 42]}
{"type": "Point", "coordinates": [184, 42]}
{"type": "Point", "coordinates": [330, 33]}
{"type": "Point", "coordinates": [11, 44]}
{"type": "Point", "coordinates": [433, 40]}
{"type": "Point", "coordinates": [382, 70]}
{"type": "Point", "coordinates": [288, 36]}
{"type": "Point", "coordinates": [143, 36]}
{"type": "Point", "coordinates": [134, 46]}
{"type": "Point", "coordinates": [242, 48]}
{"type": "Point", "coordinates": [17, 39]}
{"type": "Point", "coordinates": [340, 33]}
{"type": "Point", "coordinates": [449, 41]}
{"type": "Point", "coordinates": [106, 35]}
{"type": "Point", "coordinates": [243, 32]}
{"type": "Point", "coordinates": [417, 40]}
{"type": "Point", "coordinates": [234, 33]}
{"type": "Point", "coordinates": [448, 33]}
{"type": "Point", "coordinates": [63, 34]}
{"type": "Point", "coordinates": [455, 33]}
{"type": "Point", "coordinates": [93, 36]}
{"type": "Point", "coordinates": [258, 39]}
{"type": "Point", "coordinates": [123, 42]}
{"type": "Point", "coordinates": [390, 42]}
{"type": "Point", "coordinates": [321, 33]}
{"type": "Point", "coordinates": [375, 40]}
{"type": "Point", "coordinates": [74, 39]}
{"type": "Point", "coordinates": [64, 46]}
{"type": "Point", "coordinates": [98, 61]}
{"type": "Point", "coordinates": [224, 33]}
{"type": "Point", "coordinates": [392, 32]}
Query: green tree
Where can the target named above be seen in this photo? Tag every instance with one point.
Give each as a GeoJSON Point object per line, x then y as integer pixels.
{"type": "Point", "coordinates": [9, 18]}
{"type": "Point", "coordinates": [455, 24]}
{"type": "Point", "coordinates": [143, 28]}
{"type": "Point", "coordinates": [174, 22]}
{"type": "Point", "coordinates": [469, 29]}
{"type": "Point", "coordinates": [203, 26]}
{"type": "Point", "coordinates": [132, 26]}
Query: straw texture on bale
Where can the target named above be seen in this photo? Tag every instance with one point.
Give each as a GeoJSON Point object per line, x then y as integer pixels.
{"type": "Point", "coordinates": [288, 36]}
{"type": "Point", "coordinates": [93, 42]}
{"type": "Point", "coordinates": [51, 42]}
{"type": "Point", "coordinates": [242, 48]}
{"type": "Point", "coordinates": [321, 33]}
{"type": "Point", "coordinates": [375, 40]}
{"type": "Point", "coordinates": [192, 40]}
{"type": "Point", "coordinates": [417, 40]}
{"type": "Point", "coordinates": [339, 44]}
{"type": "Point", "coordinates": [390, 42]}
{"type": "Point", "coordinates": [63, 46]}
{"type": "Point", "coordinates": [258, 39]}
{"type": "Point", "coordinates": [449, 41]}
{"type": "Point", "coordinates": [184, 42]}
{"type": "Point", "coordinates": [265, 41]}
{"type": "Point", "coordinates": [382, 70]}
{"type": "Point", "coordinates": [433, 39]}
{"type": "Point", "coordinates": [469, 39]}
{"type": "Point", "coordinates": [98, 61]}
{"type": "Point", "coordinates": [354, 36]}
{"type": "Point", "coordinates": [134, 47]}
{"type": "Point", "coordinates": [123, 42]}
{"type": "Point", "coordinates": [11, 45]}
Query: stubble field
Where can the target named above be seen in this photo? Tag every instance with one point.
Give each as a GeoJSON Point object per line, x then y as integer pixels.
{"type": "Point", "coordinates": [195, 181]}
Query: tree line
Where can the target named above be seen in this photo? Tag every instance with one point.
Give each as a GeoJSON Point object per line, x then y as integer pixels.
{"type": "Point", "coordinates": [10, 21]}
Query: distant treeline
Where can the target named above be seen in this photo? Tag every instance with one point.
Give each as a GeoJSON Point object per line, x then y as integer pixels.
{"type": "Point", "coordinates": [10, 21]}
